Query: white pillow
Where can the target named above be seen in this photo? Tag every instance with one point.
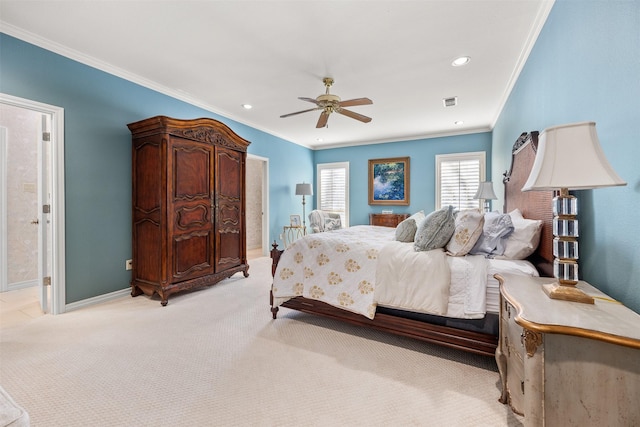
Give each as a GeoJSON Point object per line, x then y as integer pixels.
{"type": "Point", "coordinates": [525, 237]}
{"type": "Point", "coordinates": [468, 228]}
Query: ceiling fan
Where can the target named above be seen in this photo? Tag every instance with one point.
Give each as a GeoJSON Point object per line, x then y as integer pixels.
{"type": "Point", "coordinates": [330, 103]}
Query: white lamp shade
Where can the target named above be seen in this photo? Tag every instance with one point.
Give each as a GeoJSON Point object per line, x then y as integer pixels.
{"type": "Point", "coordinates": [304, 190]}
{"type": "Point", "coordinates": [569, 156]}
{"type": "Point", "coordinates": [485, 191]}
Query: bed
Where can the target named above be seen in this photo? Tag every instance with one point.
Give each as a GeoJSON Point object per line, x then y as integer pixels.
{"type": "Point", "coordinates": [461, 322]}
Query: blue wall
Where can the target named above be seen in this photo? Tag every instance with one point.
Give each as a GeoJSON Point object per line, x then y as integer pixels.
{"type": "Point", "coordinates": [422, 173]}
{"type": "Point", "coordinates": [585, 66]}
{"type": "Point", "coordinates": [97, 108]}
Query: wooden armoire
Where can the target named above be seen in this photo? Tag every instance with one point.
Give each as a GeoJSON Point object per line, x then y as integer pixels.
{"type": "Point", "coordinates": [188, 205]}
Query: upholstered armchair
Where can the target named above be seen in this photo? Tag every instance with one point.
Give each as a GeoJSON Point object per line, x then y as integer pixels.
{"type": "Point", "coordinates": [320, 221]}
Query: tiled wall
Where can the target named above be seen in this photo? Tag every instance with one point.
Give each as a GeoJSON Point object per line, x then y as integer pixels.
{"type": "Point", "coordinates": [253, 183]}
{"type": "Point", "coordinates": [22, 204]}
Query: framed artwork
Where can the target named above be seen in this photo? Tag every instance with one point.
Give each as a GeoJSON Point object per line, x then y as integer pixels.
{"type": "Point", "coordinates": [295, 221]}
{"type": "Point", "coordinates": [389, 181]}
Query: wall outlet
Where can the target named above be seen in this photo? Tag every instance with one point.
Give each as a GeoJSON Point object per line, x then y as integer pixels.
{"type": "Point", "coordinates": [128, 264]}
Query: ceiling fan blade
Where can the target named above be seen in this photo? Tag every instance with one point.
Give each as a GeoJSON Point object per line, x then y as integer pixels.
{"type": "Point", "coordinates": [322, 121]}
{"type": "Point", "coordinates": [308, 100]}
{"type": "Point", "coordinates": [354, 102]}
{"type": "Point", "coordinates": [354, 115]}
{"type": "Point", "coordinates": [300, 112]}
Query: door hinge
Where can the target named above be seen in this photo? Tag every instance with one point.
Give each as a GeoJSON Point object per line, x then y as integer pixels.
{"type": "Point", "coordinates": [46, 136]}
{"type": "Point", "coordinates": [46, 208]}
{"type": "Point", "coordinates": [46, 281]}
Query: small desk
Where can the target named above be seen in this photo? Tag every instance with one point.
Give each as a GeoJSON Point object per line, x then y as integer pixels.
{"type": "Point", "coordinates": [566, 363]}
{"type": "Point", "coordinates": [292, 233]}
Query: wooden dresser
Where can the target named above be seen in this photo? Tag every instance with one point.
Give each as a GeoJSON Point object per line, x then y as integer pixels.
{"type": "Point", "coordinates": [387, 220]}
{"type": "Point", "coordinates": [188, 204]}
{"type": "Point", "coordinates": [565, 363]}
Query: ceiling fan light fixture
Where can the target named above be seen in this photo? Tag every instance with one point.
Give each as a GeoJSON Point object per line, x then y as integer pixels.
{"type": "Point", "coordinates": [460, 61]}
{"type": "Point", "coordinates": [329, 103]}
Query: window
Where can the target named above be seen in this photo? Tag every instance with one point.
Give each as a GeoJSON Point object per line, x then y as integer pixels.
{"type": "Point", "coordinates": [333, 189]}
{"type": "Point", "coordinates": [457, 179]}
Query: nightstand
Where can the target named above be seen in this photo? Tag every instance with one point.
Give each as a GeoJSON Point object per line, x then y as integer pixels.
{"type": "Point", "coordinates": [292, 233]}
{"type": "Point", "coordinates": [387, 220]}
{"type": "Point", "coordinates": [565, 363]}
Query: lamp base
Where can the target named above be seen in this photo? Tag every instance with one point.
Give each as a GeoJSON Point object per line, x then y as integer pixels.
{"type": "Point", "coordinates": [567, 293]}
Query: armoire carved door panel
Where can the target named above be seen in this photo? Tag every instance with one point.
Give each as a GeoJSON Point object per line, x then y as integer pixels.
{"type": "Point", "coordinates": [191, 166]}
{"type": "Point", "coordinates": [230, 209]}
{"type": "Point", "coordinates": [147, 209]}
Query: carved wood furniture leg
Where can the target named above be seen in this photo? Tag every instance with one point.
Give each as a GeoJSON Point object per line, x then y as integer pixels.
{"type": "Point", "coordinates": [274, 310]}
{"type": "Point", "coordinates": [501, 361]}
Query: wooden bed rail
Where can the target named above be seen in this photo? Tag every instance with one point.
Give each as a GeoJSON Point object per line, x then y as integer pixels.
{"type": "Point", "coordinates": [474, 342]}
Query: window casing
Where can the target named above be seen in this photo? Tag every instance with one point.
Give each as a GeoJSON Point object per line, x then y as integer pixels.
{"type": "Point", "coordinates": [457, 179]}
{"type": "Point", "coordinates": [332, 193]}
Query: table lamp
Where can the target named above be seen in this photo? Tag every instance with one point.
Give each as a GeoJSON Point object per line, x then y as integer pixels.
{"type": "Point", "coordinates": [486, 193]}
{"type": "Point", "coordinates": [304, 190]}
{"type": "Point", "coordinates": [569, 157]}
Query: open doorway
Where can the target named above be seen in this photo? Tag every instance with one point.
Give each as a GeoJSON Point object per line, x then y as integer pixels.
{"type": "Point", "coordinates": [32, 199]}
{"type": "Point", "coordinates": [257, 205]}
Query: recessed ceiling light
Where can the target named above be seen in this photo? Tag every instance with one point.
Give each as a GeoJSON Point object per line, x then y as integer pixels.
{"type": "Point", "coordinates": [319, 139]}
{"type": "Point", "coordinates": [463, 60]}
{"type": "Point", "coordinates": [247, 106]}
{"type": "Point", "coordinates": [458, 122]}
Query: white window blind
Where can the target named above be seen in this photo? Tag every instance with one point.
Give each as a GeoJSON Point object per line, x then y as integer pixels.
{"type": "Point", "coordinates": [457, 179]}
{"type": "Point", "coordinates": [333, 189]}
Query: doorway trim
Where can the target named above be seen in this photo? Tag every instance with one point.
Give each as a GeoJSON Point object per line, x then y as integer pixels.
{"type": "Point", "coordinates": [56, 178]}
{"type": "Point", "coordinates": [265, 201]}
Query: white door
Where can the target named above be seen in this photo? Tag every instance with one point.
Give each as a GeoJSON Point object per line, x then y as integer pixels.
{"type": "Point", "coordinates": [32, 199]}
{"type": "Point", "coordinates": [44, 209]}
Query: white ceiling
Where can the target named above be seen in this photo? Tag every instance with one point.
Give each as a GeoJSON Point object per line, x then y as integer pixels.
{"type": "Point", "coordinates": [221, 54]}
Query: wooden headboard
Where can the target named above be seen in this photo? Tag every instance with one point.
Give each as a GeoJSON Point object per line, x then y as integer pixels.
{"type": "Point", "coordinates": [532, 204]}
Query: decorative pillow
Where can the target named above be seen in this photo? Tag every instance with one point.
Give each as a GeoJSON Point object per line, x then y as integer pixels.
{"type": "Point", "coordinates": [320, 221]}
{"type": "Point", "coordinates": [332, 224]}
{"type": "Point", "coordinates": [406, 230]}
{"type": "Point", "coordinates": [435, 230]}
{"type": "Point", "coordinates": [525, 237]}
{"type": "Point", "coordinates": [468, 228]}
{"type": "Point", "coordinates": [496, 228]}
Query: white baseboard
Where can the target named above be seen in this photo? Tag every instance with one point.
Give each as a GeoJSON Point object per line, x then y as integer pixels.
{"type": "Point", "coordinates": [97, 300]}
{"type": "Point", "coordinates": [21, 285]}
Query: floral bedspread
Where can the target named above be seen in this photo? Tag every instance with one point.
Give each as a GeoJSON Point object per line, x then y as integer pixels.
{"type": "Point", "coordinates": [308, 268]}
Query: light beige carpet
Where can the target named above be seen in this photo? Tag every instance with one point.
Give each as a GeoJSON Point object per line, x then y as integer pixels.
{"type": "Point", "coordinates": [214, 357]}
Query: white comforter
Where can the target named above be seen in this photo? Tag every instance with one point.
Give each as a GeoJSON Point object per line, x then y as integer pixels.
{"type": "Point", "coordinates": [337, 267]}
{"type": "Point", "coordinates": [362, 266]}
{"type": "Point", "coordinates": [431, 282]}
